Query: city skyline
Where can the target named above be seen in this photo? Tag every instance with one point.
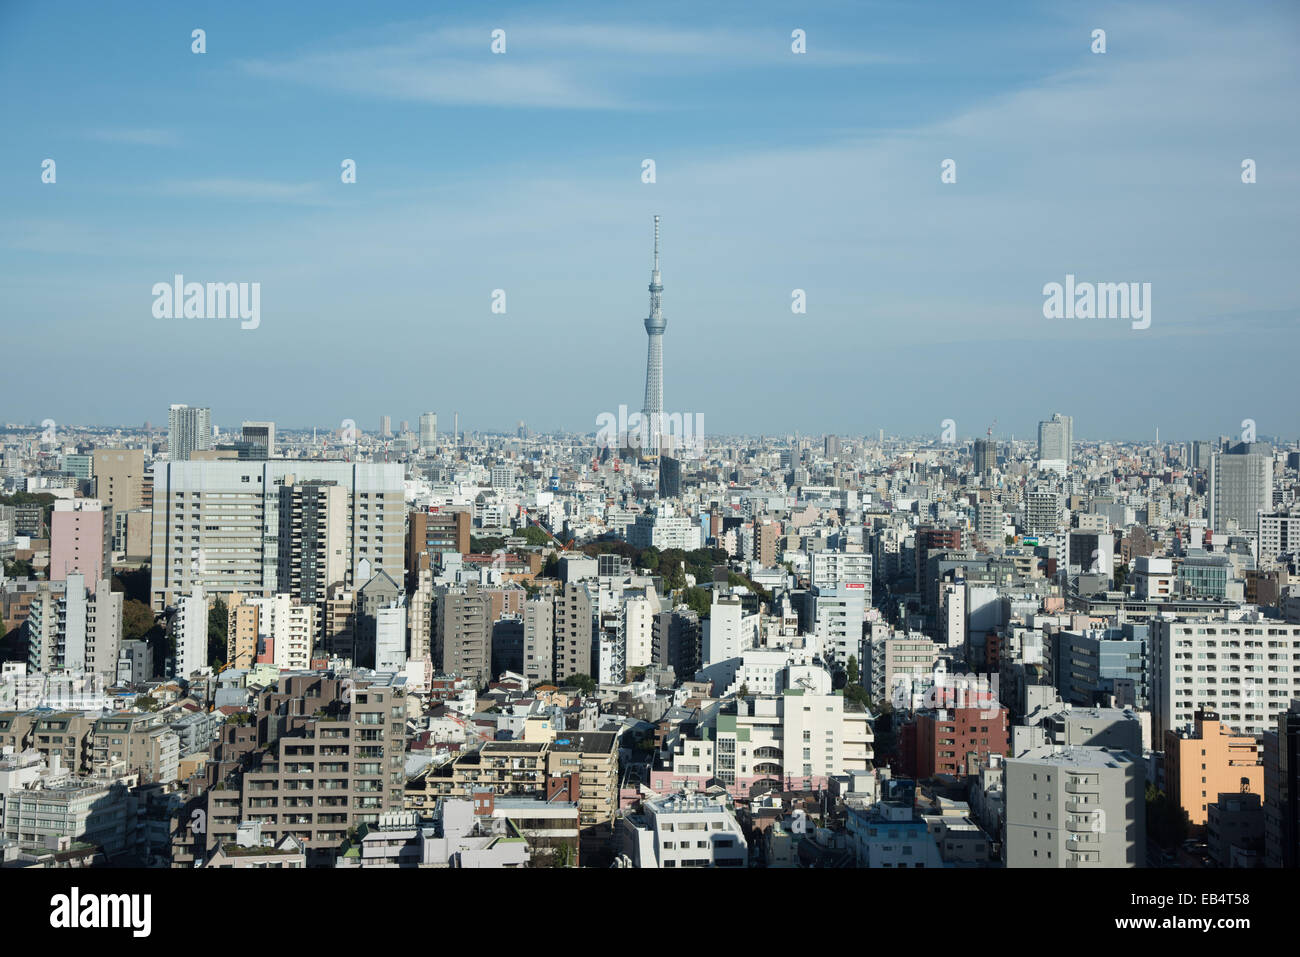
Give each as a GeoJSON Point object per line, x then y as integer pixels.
{"type": "Point", "coordinates": [775, 176]}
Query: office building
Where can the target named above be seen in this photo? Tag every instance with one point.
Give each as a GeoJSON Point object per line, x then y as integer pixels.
{"type": "Point", "coordinates": [428, 431]}
{"type": "Point", "coordinates": [1241, 488]}
{"type": "Point", "coordinates": [120, 479]}
{"type": "Point", "coordinates": [260, 439]}
{"type": "Point", "coordinates": [1056, 439]}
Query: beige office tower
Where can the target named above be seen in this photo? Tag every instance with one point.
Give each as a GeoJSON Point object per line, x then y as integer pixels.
{"type": "Point", "coordinates": [419, 616]}
{"type": "Point", "coordinates": [766, 533]}
{"type": "Point", "coordinates": [242, 620]}
{"type": "Point", "coordinates": [119, 478]}
{"type": "Point", "coordinates": [574, 626]}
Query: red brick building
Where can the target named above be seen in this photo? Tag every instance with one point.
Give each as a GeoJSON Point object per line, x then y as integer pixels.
{"type": "Point", "coordinates": [941, 742]}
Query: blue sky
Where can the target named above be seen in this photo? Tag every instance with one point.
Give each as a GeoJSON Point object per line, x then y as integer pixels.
{"type": "Point", "coordinates": [775, 171]}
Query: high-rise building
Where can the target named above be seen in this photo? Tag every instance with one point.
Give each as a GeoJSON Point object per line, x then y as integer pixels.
{"type": "Point", "coordinates": [1042, 512]}
{"type": "Point", "coordinates": [190, 629]}
{"type": "Point", "coordinates": [655, 325]}
{"type": "Point", "coordinates": [260, 439]}
{"type": "Point", "coordinates": [81, 540]}
{"type": "Point", "coordinates": [986, 456]}
{"type": "Point", "coordinates": [1246, 692]}
{"type": "Point", "coordinates": [1241, 487]}
{"type": "Point", "coordinates": [1056, 439]}
{"type": "Point", "coordinates": [539, 639]}
{"type": "Point", "coordinates": [225, 525]}
{"type": "Point", "coordinates": [428, 431]}
{"type": "Point", "coordinates": [575, 631]}
{"type": "Point", "coordinates": [119, 478]}
{"type": "Point", "coordinates": [670, 477]}
{"type": "Point", "coordinates": [462, 635]}
{"type": "Point", "coordinates": [678, 642]}
{"type": "Point", "coordinates": [189, 430]}
{"type": "Point", "coordinates": [69, 628]}
{"type": "Point", "coordinates": [385, 426]}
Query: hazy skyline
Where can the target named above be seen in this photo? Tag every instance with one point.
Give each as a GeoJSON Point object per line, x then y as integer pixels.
{"type": "Point", "coordinates": [775, 172]}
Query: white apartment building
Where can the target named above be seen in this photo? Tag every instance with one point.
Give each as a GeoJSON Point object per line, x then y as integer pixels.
{"type": "Point", "coordinates": [832, 569]}
{"type": "Point", "coordinates": [639, 610]}
{"type": "Point", "coordinates": [684, 830]}
{"type": "Point", "coordinates": [190, 629]}
{"type": "Point", "coordinates": [840, 616]}
{"type": "Point", "coordinates": [662, 528]}
{"type": "Point", "coordinates": [290, 629]}
{"type": "Point", "coordinates": [1247, 670]}
{"type": "Point", "coordinates": [796, 739]}
{"type": "Point", "coordinates": [728, 631]}
{"type": "Point", "coordinates": [390, 636]}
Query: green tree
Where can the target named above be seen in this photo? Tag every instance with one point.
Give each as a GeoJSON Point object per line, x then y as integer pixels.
{"type": "Point", "coordinates": [584, 683]}
{"type": "Point", "coordinates": [1121, 576]}
{"type": "Point", "coordinates": [217, 634]}
{"type": "Point", "coordinates": [19, 568]}
{"type": "Point", "coordinates": [146, 702]}
{"type": "Point", "coordinates": [699, 600]}
{"type": "Point", "coordinates": [137, 619]}
{"type": "Point", "coordinates": [744, 691]}
{"type": "Point", "coordinates": [533, 535]}
{"type": "Point", "coordinates": [853, 670]}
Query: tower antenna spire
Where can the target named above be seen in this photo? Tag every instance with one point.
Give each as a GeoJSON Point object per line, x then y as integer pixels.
{"type": "Point", "coordinates": [656, 244]}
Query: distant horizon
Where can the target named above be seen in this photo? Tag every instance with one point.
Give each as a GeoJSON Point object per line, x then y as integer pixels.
{"type": "Point", "coordinates": [1029, 436]}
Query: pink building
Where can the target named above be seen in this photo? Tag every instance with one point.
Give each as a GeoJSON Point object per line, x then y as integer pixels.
{"type": "Point", "coordinates": [81, 541]}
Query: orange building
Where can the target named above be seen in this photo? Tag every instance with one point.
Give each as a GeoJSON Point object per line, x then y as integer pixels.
{"type": "Point", "coordinates": [1209, 761]}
